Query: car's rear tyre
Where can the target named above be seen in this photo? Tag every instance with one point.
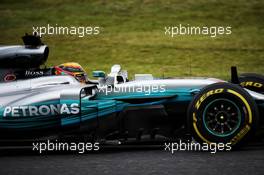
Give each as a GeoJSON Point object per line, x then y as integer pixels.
{"type": "Point", "coordinates": [252, 81]}
{"type": "Point", "coordinates": [222, 113]}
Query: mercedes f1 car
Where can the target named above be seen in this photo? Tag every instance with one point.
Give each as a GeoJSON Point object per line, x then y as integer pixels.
{"type": "Point", "coordinates": [115, 108]}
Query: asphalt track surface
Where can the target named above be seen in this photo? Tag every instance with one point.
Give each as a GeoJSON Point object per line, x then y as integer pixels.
{"type": "Point", "coordinates": [146, 160]}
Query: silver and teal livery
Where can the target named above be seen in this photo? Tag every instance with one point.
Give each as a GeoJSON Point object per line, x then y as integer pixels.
{"type": "Point", "coordinates": [113, 108]}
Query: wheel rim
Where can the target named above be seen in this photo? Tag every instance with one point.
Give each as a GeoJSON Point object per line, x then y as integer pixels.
{"type": "Point", "coordinates": [221, 117]}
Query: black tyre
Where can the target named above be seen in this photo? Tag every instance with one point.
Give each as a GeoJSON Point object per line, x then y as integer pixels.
{"type": "Point", "coordinates": [222, 113]}
{"type": "Point", "coordinates": [252, 81]}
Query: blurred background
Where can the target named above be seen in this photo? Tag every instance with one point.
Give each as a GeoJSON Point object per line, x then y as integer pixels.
{"type": "Point", "coordinates": [132, 34]}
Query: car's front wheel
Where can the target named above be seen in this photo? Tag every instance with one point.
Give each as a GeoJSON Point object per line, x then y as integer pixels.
{"type": "Point", "coordinates": [222, 113]}
{"type": "Point", "coordinates": [252, 81]}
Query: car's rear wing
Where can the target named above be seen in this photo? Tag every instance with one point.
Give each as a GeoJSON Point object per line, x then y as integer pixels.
{"type": "Point", "coordinates": [31, 55]}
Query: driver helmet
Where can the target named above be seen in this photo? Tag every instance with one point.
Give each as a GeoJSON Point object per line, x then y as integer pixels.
{"type": "Point", "coordinates": [73, 69]}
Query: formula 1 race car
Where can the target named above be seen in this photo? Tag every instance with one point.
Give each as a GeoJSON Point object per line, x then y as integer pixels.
{"type": "Point", "coordinates": [113, 108]}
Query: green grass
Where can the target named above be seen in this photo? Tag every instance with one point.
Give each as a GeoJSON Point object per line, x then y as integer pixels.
{"type": "Point", "coordinates": [133, 34]}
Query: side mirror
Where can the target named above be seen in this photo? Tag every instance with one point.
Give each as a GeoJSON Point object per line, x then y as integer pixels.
{"type": "Point", "coordinates": [99, 74]}
{"type": "Point", "coordinates": [115, 69]}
